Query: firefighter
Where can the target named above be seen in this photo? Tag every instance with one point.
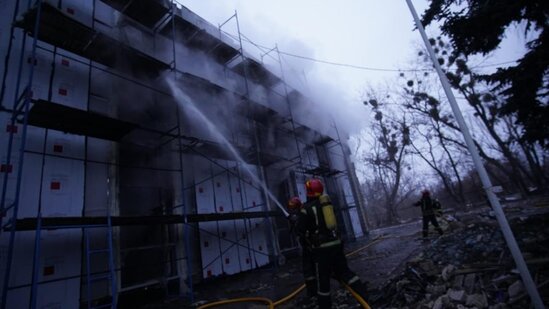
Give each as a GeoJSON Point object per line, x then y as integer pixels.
{"type": "Point", "coordinates": [428, 212]}
{"type": "Point", "coordinates": [317, 225]}
{"type": "Point", "coordinates": [294, 208]}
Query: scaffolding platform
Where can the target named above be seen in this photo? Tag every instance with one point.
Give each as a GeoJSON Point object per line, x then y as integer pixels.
{"type": "Point", "coordinates": [256, 72]}
{"type": "Point", "coordinates": [53, 223]}
{"type": "Point", "coordinates": [146, 12]}
{"type": "Point", "coordinates": [60, 30]}
{"type": "Point", "coordinates": [49, 115]}
{"type": "Point", "coordinates": [199, 38]}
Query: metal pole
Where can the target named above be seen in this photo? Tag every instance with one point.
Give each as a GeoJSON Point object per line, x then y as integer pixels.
{"type": "Point", "coordinates": [500, 216]}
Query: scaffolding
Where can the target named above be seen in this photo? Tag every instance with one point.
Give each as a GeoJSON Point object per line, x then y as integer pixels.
{"type": "Point", "coordinates": [210, 206]}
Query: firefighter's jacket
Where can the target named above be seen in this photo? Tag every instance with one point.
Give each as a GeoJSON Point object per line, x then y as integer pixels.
{"type": "Point", "coordinates": [427, 206]}
{"type": "Point", "coordinates": [312, 228]}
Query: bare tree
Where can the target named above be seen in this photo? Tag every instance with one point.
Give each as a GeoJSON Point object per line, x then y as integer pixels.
{"type": "Point", "coordinates": [499, 143]}
{"type": "Point", "coordinates": [390, 139]}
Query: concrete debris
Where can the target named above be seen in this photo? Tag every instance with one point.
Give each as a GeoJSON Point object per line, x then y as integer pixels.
{"type": "Point", "coordinates": [458, 281]}
{"type": "Point", "coordinates": [469, 283]}
{"type": "Point", "coordinates": [477, 300]}
{"type": "Point", "coordinates": [447, 272]}
{"type": "Point", "coordinates": [456, 295]}
{"type": "Point", "coordinates": [515, 289]}
{"type": "Point", "coordinates": [471, 268]}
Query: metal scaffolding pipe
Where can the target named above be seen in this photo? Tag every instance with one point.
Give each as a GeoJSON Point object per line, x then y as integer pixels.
{"type": "Point", "coordinates": [488, 188]}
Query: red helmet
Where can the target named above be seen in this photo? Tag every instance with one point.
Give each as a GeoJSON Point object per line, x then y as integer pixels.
{"type": "Point", "coordinates": [425, 192]}
{"type": "Point", "coordinates": [294, 203]}
{"type": "Point", "coordinates": [314, 187]}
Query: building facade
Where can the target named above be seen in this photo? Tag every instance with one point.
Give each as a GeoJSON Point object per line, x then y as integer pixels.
{"type": "Point", "coordinates": [144, 150]}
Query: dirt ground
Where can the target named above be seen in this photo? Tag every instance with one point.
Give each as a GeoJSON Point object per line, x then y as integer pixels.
{"type": "Point", "coordinates": [378, 258]}
{"type": "Point", "coordinates": [386, 250]}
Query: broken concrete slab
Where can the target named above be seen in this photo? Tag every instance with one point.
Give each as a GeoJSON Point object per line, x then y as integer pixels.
{"type": "Point", "coordinates": [456, 295]}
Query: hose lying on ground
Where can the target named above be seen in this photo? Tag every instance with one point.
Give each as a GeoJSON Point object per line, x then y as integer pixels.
{"type": "Point", "coordinates": [272, 304]}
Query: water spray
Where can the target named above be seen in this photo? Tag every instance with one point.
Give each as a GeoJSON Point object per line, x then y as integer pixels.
{"type": "Point", "coordinates": [182, 98]}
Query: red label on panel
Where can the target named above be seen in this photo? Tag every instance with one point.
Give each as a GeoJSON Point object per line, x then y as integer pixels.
{"type": "Point", "coordinates": [6, 168]}
{"type": "Point", "coordinates": [65, 62]}
{"type": "Point", "coordinates": [209, 272]}
{"type": "Point", "coordinates": [227, 260]}
{"type": "Point", "coordinates": [55, 185]}
{"type": "Point", "coordinates": [30, 60]}
{"type": "Point", "coordinates": [48, 270]}
{"type": "Point", "coordinates": [62, 91]}
{"type": "Point", "coordinates": [70, 11]}
{"type": "Point", "coordinates": [57, 148]}
{"type": "Point", "coordinates": [11, 128]}
{"type": "Point", "coordinates": [200, 190]}
{"type": "Point", "coordinates": [220, 208]}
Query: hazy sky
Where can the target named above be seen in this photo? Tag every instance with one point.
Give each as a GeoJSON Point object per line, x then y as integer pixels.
{"type": "Point", "coordinates": [366, 33]}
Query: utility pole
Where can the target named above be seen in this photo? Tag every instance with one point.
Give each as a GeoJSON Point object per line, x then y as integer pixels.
{"type": "Point", "coordinates": [488, 188]}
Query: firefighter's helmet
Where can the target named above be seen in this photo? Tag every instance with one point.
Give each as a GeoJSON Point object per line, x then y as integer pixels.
{"type": "Point", "coordinates": [425, 193]}
{"type": "Point", "coordinates": [314, 187]}
{"type": "Point", "coordinates": [294, 204]}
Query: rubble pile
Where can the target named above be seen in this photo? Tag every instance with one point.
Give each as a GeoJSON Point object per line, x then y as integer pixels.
{"type": "Point", "coordinates": [471, 267]}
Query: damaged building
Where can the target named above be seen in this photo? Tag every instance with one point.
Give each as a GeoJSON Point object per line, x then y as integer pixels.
{"type": "Point", "coordinates": [144, 151]}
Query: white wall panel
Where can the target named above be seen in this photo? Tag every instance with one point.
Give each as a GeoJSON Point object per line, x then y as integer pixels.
{"type": "Point", "coordinates": [18, 298]}
{"type": "Point", "coordinates": [30, 186]}
{"type": "Point", "coordinates": [256, 228]}
{"type": "Point", "coordinates": [60, 254]}
{"type": "Point", "coordinates": [229, 247]}
{"type": "Point", "coordinates": [41, 72]}
{"type": "Point", "coordinates": [204, 190]}
{"type": "Point", "coordinates": [70, 82]}
{"type": "Point", "coordinates": [31, 168]}
{"type": "Point", "coordinates": [21, 270]}
{"type": "Point", "coordinates": [241, 231]}
{"type": "Point", "coordinates": [223, 203]}
{"type": "Point", "coordinates": [244, 245]}
{"type": "Point", "coordinates": [80, 10]}
{"type": "Point", "coordinates": [209, 246]}
{"type": "Point", "coordinates": [65, 145]}
{"type": "Point", "coordinates": [104, 13]}
{"type": "Point", "coordinates": [63, 187]}
{"type": "Point", "coordinates": [6, 7]}
{"type": "Point", "coordinates": [227, 232]}
{"type": "Point", "coordinates": [59, 295]}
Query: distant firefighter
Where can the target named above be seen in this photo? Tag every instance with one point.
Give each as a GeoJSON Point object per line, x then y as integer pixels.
{"type": "Point", "coordinates": [429, 211]}
{"type": "Point", "coordinates": [317, 225]}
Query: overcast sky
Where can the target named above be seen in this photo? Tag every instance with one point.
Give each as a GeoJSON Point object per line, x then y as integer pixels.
{"type": "Point", "coordinates": [366, 33]}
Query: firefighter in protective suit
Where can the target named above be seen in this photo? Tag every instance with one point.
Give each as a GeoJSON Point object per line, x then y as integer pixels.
{"type": "Point", "coordinates": [317, 226]}
{"type": "Point", "coordinates": [308, 265]}
{"type": "Point", "coordinates": [428, 211]}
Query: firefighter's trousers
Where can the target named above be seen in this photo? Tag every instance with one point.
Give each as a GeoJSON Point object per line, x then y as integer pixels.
{"type": "Point", "coordinates": [332, 261]}
{"type": "Point", "coordinates": [433, 219]}
{"type": "Point", "coordinates": [309, 272]}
